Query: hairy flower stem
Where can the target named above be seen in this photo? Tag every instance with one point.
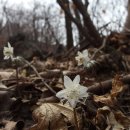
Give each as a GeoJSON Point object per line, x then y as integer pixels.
{"type": "Point", "coordinates": [75, 119]}
{"type": "Point", "coordinates": [17, 82]}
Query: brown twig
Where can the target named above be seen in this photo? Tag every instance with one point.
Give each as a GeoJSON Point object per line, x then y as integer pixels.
{"type": "Point", "coordinates": [35, 70]}
{"type": "Point", "coordinates": [17, 82]}
{"type": "Point", "coordinates": [100, 48]}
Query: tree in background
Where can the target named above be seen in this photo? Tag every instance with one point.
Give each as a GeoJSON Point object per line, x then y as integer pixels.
{"type": "Point", "coordinates": [85, 28]}
{"type": "Point", "coordinates": [85, 22]}
{"type": "Point", "coordinates": [127, 22]}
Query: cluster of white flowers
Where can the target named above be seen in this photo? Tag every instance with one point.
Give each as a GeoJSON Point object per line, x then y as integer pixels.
{"type": "Point", "coordinates": [83, 59]}
{"type": "Point", "coordinates": [73, 91]}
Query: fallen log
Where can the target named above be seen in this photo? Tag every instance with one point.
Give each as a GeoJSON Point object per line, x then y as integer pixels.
{"type": "Point", "coordinates": [105, 86]}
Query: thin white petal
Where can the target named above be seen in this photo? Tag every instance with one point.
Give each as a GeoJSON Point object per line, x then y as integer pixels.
{"type": "Point", "coordinates": [83, 91]}
{"type": "Point", "coordinates": [76, 79]}
{"type": "Point", "coordinates": [67, 82]}
{"type": "Point", "coordinates": [84, 95]}
{"type": "Point", "coordinates": [12, 49]}
{"type": "Point", "coordinates": [72, 102]}
{"type": "Point", "coordinates": [62, 94]}
{"type": "Point", "coordinates": [87, 58]}
{"type": "Point", "coordinates": [80, 54]}
{"type": "Point", "coordinates": [5, 48]}
{"type": "Point", "coordinates": [77, 58]}
{"type": "Point", "coordinates": [6, 57]}
{"type": "Point", "coordinates": [85, 52]}
{"type": "Point", "coordinates": [83, 88]}
{"type": "Point", "coordinates": [9, 45]}
{"type": "Point", "coordinates": [87, 63]}
{"type": "Point", "coordinates": [93, 61]}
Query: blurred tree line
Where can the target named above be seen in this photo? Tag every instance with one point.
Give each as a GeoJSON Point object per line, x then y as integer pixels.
{"type": "Point", "coordinates": [73, 21]}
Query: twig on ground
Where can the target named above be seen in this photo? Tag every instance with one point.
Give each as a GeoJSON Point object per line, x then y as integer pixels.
{"type": "Point", "coordinates": [35, 70]}
{"type": "Point", "coordinates": [100, 48]}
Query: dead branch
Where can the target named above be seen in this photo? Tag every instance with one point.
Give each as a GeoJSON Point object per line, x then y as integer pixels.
{"type": "Point", "coordinates": [47, 86]}
{"type": "Point", "coordinates": [105, 86]}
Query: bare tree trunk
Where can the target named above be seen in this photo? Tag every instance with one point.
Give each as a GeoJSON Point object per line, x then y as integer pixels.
{"type": "Point", "coordinates": [9, 30]}
{"type": "Point", "coordinates": [34, 28]}
{"type": "Point", "coordinates": [77, 15]}
{"type": "Point", "coordinates": [88, 30]}
{"type": "Point", "coordinates": [127, 22]}
{"type": "Point", "coordinates": [86, 3]}
{"type": "Point", "coordinates": [80, 27]}
{"type": "Point", "coordinates": [52, 31]}
{"type": "Point", "coordinates": [87, 20]}
{"type": "Point", "coordinates": [68, 25]}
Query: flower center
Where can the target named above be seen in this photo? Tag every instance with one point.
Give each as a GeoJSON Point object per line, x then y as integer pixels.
{"type": "Point", "coordinates": [81, 60]}
{"type": "Point", "coordinates": [8, 52]}
{"type": "Point", "coordinates": [73, 94]}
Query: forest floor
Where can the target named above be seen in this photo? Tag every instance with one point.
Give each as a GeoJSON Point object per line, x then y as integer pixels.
{"type": "Point", "coordinates": [28, 95]}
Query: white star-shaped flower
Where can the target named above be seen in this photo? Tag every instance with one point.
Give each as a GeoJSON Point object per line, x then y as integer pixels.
{"type": "Point", "coordinates": [8, 52]}
{"type": "Point", "coordinates": [73, 91]}
{"type": "Point", "coordinates": [83, 58]}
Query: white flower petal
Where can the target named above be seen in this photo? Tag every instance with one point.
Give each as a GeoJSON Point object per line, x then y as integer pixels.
{"type": "Point", "coordinates": [67, 82]}
{"type": "Point", "coordinates": [77, 58]}
{"type": "Point", "coordinates": [11, 49]}
{"type": "Point", "coordinates": [93, 61]}
{"type": "Point", "coordinates": [9, 45]}
{"type": "Point", "coordinates": [87, 64]}
{"type": "Point", "coordinates": [85, 52]}
{"type": "Point", "coordinates": [76, 80]}
{"type": "Point", "coordinates": [5, 48]}
{"type": "Point", "coordinates": [83, 91]}
{"type": "Point", "coordinates": [62, 94]}
{"type": "Point", "coordinates": [87, 59]}
{"type": "Point", "coordinates": [72, 102]}
{"type": "Point", "coordinates": [73, 92]}
{"type": "Point", "coordinates": [6, 57]}
{"type": "Point", "coordinates": [80, 54]}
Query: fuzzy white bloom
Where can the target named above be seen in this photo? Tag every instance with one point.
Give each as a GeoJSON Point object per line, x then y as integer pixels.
{"type": "Point", "coordinates": [73, 91]}
{"type": "Point", "coordinates": [83, 58]}
{"type": "Point", "coordinates": [8, 52]}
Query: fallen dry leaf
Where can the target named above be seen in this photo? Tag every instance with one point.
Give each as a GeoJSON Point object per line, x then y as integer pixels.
{"type": "Point", "coordinates": [122, 119]}
{"type": "Point", "coordinates": [104, 99]}
{"type": "Point", "coordinates": [115, 120]}
{"type": "Point", "coordinates": [112, 123]}
{"type": "Point", "coordinates": [51, 115]}
{"type": "Point", "coordinates": [110, 99]}
{"type": "Point", "coordinates": [117, 86]}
